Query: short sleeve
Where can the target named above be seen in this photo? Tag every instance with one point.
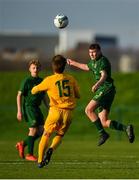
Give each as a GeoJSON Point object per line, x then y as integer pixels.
{"type": "Point", "coordinates": [104, 64]}
{"type": "Point", "coordinates": [23, 87]}
{"type": "Point", "coordinates": [89, 65]}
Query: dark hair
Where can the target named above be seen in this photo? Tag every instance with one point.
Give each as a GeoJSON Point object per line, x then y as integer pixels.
{"type": "Point", "coordinates": [58, 63]}
{"type": "Point", "coordinates": [95, 46]}
{"type": "Point", "coordinates": [35, 62]}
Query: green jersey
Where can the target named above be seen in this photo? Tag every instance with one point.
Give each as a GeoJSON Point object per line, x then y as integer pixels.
{"type": "Point", "coordinates": [106, 92]}
{"type": "Point", "coordinates": [25, 88]}
{"type": "Point", "coordinates": [96, 66]}
{"type": "Point", "coordinates": [31, 111]}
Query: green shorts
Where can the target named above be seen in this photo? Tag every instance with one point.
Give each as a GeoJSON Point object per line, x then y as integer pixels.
{"type": "Point", "coordinates": [104, 98]}
{"type": "Point", "coordinates": [33, 116]}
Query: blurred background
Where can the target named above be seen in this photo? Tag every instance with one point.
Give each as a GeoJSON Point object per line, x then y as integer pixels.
{"type": "Point", "coordinates": [27, 31]}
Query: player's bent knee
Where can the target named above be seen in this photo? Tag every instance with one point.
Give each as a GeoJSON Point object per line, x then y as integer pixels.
{"type": "Point", "coordinates": [104, 124]}
{"type": "Point", "coordinates": [60, 134]}
{"type": "Point", "coordinates": [46, 134]}
{"type": "Point", "coordinates": [88, 111]}
{"type": "Point", "coordinates": [32, 131]}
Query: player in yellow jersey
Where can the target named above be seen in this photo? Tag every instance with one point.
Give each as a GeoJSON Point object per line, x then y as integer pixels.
{"type": "Point", "coordinates": [62, 90]}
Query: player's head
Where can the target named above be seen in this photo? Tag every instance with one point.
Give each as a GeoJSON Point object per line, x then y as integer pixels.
{"type": "Point", "coordinates": [58, 63]}
{"type": "Point", "coordinates": [95, 51]}
{"type": "Point", "coordinates": [34, 67]}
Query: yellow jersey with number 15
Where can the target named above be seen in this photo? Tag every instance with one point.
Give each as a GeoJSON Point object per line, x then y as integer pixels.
{"type": "Point", "coordinates": [62, 90]}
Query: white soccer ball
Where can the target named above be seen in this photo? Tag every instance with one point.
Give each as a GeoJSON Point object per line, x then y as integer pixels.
{"type": "Point", "coordinates": [61, 21]}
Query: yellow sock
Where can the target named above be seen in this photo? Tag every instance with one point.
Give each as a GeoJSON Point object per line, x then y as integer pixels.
{"type": "Point", "coordinates": [56, 141]}
{"type": "Point", "coordinates": [42, 146]}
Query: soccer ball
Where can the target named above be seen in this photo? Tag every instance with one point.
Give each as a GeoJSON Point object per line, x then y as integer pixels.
{"type": "Point", "coordinates": [61, 21]}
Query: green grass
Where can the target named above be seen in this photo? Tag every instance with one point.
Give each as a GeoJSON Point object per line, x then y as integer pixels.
{"type": "Point", "coordinates": [78, 156]}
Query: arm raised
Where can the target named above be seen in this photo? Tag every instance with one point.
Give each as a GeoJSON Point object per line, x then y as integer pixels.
{"type": "Point", "coordinates": [77, 64]}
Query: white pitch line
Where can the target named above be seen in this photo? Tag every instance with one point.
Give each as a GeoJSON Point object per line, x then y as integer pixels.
{"type": "Point", "coordinates": [14, 163]}
{"type": "Point", "coordinates": [67, 163]}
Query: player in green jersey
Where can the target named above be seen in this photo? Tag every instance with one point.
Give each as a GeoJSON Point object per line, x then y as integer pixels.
{"type": "Point", "coordinates": [28, 107]}
{"type": "Point", "coordinates": [104, 92]}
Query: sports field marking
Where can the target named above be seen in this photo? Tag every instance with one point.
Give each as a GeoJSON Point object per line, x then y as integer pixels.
{"type": "Point", "coordinates": [75, 162]}
{"type": "Point", "coordinates": [12, 163]}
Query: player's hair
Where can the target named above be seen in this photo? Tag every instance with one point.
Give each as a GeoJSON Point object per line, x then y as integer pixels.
{"type": "Point", "coordinates": [58, 63]}
{"type": "Point", "coordinates": [35, 62]}
{"type": "Point", "coordinates": [95, 46]}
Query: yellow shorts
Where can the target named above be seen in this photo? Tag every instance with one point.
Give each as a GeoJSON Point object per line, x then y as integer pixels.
{"type": "Point", "coordinates": [58, 120]}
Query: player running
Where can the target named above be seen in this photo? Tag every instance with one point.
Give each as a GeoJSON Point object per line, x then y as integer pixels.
{"type": "Point", "coordinates": [62, 90]}
{"type": "Point", "coordinates": [104, 93]}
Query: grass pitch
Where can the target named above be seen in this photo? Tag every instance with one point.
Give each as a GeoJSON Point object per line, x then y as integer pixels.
{"type": "Point", "coordinates": [76, 158]}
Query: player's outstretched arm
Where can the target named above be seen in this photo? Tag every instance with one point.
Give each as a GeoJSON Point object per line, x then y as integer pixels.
{"type": "Point", "coordinates": [40, 87]}
{"type": "Point", "coordinates": [77, 64]}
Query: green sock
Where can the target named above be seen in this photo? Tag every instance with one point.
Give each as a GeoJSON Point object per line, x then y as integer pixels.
{"type": "Point", "coordinates": [117, 125]}
{"type": "Point", "coordinates": [30, 144]}
{"type": "Point", "coordinates": [99, 126]}
{"type": "Point", "coordinates": [36, 137]}
{"type": "Point", "coordinates": [26, 142]}
{"type": "Point", "coordinates": [27, 139]}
